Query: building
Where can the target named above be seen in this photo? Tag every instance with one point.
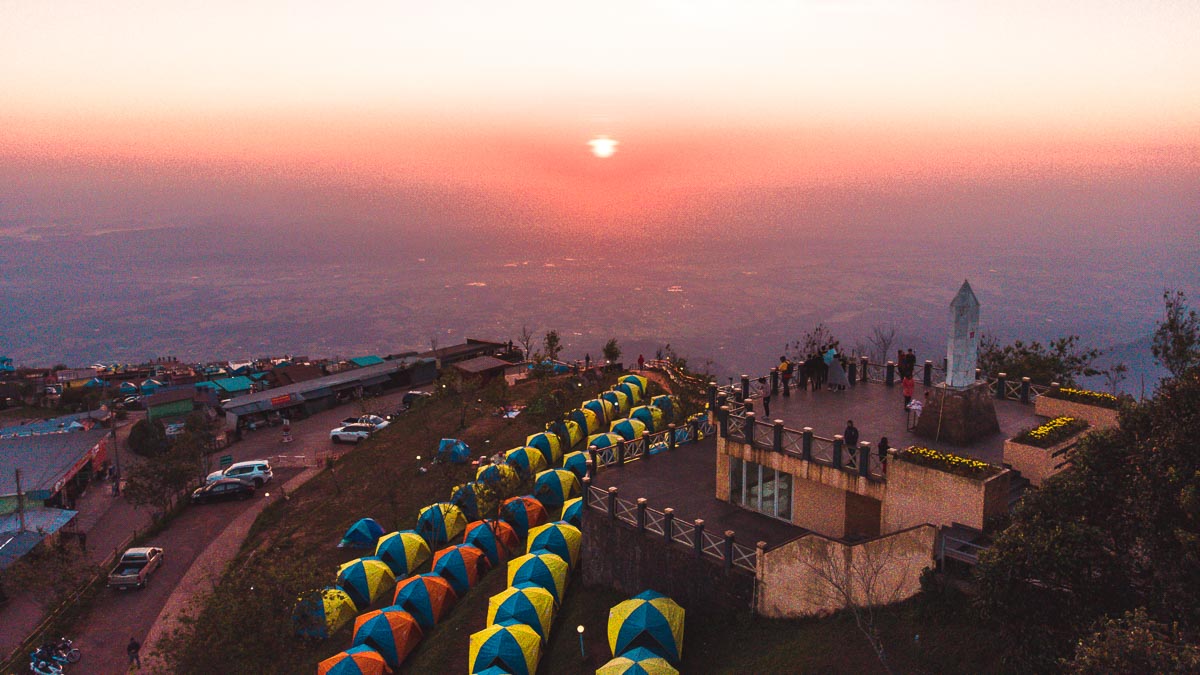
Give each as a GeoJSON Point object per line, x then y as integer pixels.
{"type": "Point", "coordinates": [281, 376]}
{"type": "Point", "coordinates": [53, 467]}
{"type": "Point", "coordinates": [170, 403]}
{"type": "Point", "coordinates": [484, 368]}
{"type": "Point", "coordinates": [21, 532]}
{"type": "Point", "coordinates": [470, 349]}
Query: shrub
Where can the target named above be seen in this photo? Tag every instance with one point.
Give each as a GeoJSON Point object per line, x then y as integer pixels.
{"type": "Point", "coordinates": [1086, 397]}
{"type": "Point", "coordinates": [949, 462]}
{"type": "Point", "coordinates": [1051, 433]}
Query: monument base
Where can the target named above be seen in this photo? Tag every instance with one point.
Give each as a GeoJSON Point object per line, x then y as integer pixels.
{"type": "Point", "coordinates": [958, 416]}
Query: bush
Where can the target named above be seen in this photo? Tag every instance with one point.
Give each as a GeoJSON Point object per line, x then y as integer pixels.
{"type": "Point", "coordinates": [1086, 397]}
{"type": "Point", "coordinates": [1051, 433]}
{"type": "Point", "coordinates": [948, 462]}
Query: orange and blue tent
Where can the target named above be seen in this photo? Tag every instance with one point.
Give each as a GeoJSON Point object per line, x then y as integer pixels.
{"type": "Point", "coordinates": [560, 538]}
{"type": "Point", "coordinates": [550, 445]}
{"type": "Point", "coordinates": [427, 597]}
{"type": "Point", "coordinates": [462, 565]}
{"type": "Point", "coordinates": [631, 389]}
{"type": "Point", "coordinates": [572, 512]}
{"type": "Point", "coordinates": [528, 604]}
{"type": "Point", "coordinates": [496, 538]}
{"type": "Point", "coordinates": [619, 400]}
{"type": "Point", "coordinates": [526, 460]}
{"type": "Point", "coordinates": [391, 631]}
{"type": "Point", "coordinates": [605, 411]}
{"type": "Point", "coordinates": [322, 613]}
{"type": "Point", "coordinates": [555, 486]}
{"type": "Point", "coordinates": [360, 660]}
{"type": "Point", "coordinates": [366, 580]}
{"type": "Point", "coordinates": [364, 533]}
{"type": "Point", "coordinates": [652, 416]}
{"type": "Point", "coordinates": [629, 429]}
{"type": "Point", "coordinates": [604, 440]}
{"type": "Point", "coordinates": [637, 661]}
{"type": "Point", "coordinates": [515, 649]}
{"type": "Point", "coordinates": [540, 569]}
{"type": "Point", "coordinates": [589, 422]}
{"type": "Point", "coordinates": [649, 619]}
{"type": "Point", "coordinates": [576, 463]}
{"type": "Point", "coordinates": [403, 552]}
{"type": "Point", "coordinates": [441, 522]}
{"type": "Point", "coordinates": [523, 513]}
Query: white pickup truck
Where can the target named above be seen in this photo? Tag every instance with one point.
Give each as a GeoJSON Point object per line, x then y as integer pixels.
{"type": "Point", "coordinates": [135, 568]}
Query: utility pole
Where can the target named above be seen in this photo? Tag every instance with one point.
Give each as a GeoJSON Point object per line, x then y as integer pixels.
{"type": "Point", "coordinates": [20, 501]}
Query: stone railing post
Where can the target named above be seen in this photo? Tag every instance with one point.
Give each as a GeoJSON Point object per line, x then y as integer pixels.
{"type": "Point", "coordinates": [864, 458]}
{"type": "Point", "coordinates": [668, 522]}
{"type": "Point", "coordinates": [890, 379]}
{"type": "Point", "coordinates": [748, 406]}
{"type": "Point", "coordinates": [586, 493]}
{"type": "Point", "coordinates": [728, 549]}
{"type": "Point", "coordinates": [838, 442]}
{"type": "Point", "coordinates": [745, 387]}
{"type": "Point", "coordinates": [1000, 378]}
{"type": "Point", "coordinates": [621, 452]}
{"type": "Point", "coordinates": [699, 543]}
{"type": "Point", "coordinates": [1025, 390]}
{"type": "Point", "coordinates": [594, 463]}
{"type": "Point", "coordinates": [852, 374]}
{"type": "Point", "coordinates": [670, 437]}
{"type": "Point", "coordinates": [864, 362]}
{"type": "Point", "coordinates": [612, 503]}
{"type": "Point", "coordinates": [778, 437]}
{"type": "Point", "coordinates": [641, 515]}
{"type": "Point", "coordinates": [928, 379]}
{"type": "Point", "coordinates": [748, 429]}
{"type": "Point", "coordinates": [723, 421]}
{"type": "Point", "coordinates": [1055, 387]}
{"type": "Point", "coordinates": [806, 442]}
{"type": "Point", "coordinates": [774, 382]}
{"type": "Point", "coordinates": [978, 373]}
{"type": "Point", "coordinates": [722, 400]}
{"type": "Point", "coordinates": [712, 395]}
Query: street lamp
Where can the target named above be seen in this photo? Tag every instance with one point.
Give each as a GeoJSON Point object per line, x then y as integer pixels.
{"type": "Point", "coordinates": [582, 653]}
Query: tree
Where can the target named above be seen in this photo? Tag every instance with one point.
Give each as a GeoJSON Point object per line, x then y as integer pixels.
{"type": "Point", "coordinates": [552, 345]}
{"type": "Point", "coordinates": [881, 340]}
{"type": "Point", "coordinates": [148, 438]}
{"type": "Point", "coordinates": [51, 573]}
{"type": "Point", "coordinates": [1061, 360]}
{"type": "Point", "coordinates": [1176, 342]}
{"type": "Point", "coordinates": [525, 339]}
{"type": "Point", "coordinates": [156, 482]}
{"type": "Point", "coordinates": [818, 339]}
{"type": "Point", "coordinates": [612, 351]}
{"type": "Point", "coordinates": [1135, 643]}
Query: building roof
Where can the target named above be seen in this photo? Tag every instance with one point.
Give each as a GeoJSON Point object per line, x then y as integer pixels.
{"type": "Point", "coordinates": [235, 384]}
{"type": "Point", "coordinates": [362, 361]}
{"type": "Point", "coordinates": [464, 351]}
{"type": "Point", "coordinates": [481, 364]}
{"type": "Point", "coordinates": [291, 374]}
{"type": "Point", "coordinates": [170, 396]}
{"type": "Point", "coordinates": [43, 460]}
{"type": "Point", "coordinates": [316, 388]}
{"type": "Point", "coordinates": [56, 425]}
{"type": "Point", "coordinates": [39, 522]}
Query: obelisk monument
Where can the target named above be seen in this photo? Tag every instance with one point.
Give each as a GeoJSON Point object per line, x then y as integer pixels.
{"type": "Point", "coordinates": [960, 410]}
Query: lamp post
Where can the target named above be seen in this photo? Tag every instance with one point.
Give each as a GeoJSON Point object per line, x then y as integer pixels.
{"type": "Point", "coordinates": [582, 653]}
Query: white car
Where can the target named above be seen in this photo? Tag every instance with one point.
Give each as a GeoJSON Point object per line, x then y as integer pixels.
{"type": "Point", "coordinates": [256, 471]}
{"type": "Point", "coordinates": [374, 421]}
{"type": "Point", "coordinates": [351, 433]}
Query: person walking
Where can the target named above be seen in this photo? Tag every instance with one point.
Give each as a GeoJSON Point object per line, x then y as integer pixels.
{"type": "Point", "coordinates": [908, 385]}
{"type": "Point", "coordinates": [850, 437]}
{"type": "Point", "coordinates": [763, 389]}
{"type": "Point", "coordinates": [133, 649]}
{"type": "Point", "coordinates": [785, 374]}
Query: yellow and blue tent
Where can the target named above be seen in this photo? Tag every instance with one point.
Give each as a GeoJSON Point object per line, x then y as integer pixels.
{"type": "Point", "coordinates": [631, 389]}
{"type": "Point", "coordinates": [637, 661]}
{"type": "Point", "coordinates": [462, 565]}
{"type": "Point", "coordinates": [440, 522]}
{"type": "Point", "coordinates": [427, 597]}
{"type": "Point", "coordinates": [649, 619]}
{"type": "Point", "coordinates": [575, 433]}
{"type": "Point", "coordinates": [360, 660]}
{"type": "Point", "coordinates": [652, 416]}
{"type": "Point", "coordinates": [391, 631]}
{"type": "Point", "coordinates": [668, 404]}
{"type": "Point", "coordinates": [496, 538]}
{"type": "Point", "coordinates": [523, 513]}
{"type": "Point", "coordinates": [572, 512]}
{"type": "Point", "coordinates": [576, 463]}
{"type": "Point", "coordinates": [604, 440]}
{"type": "Point", "coordinates": [640, 380]}
{"type": "Point", "coordinates": [515, 649]}
{"type": "Point", "coordinates": [589, 422]}
{"type": "Point", "coordinates": [528, 604]}
{"type": "Point", "coordinates": [366, 580]}
{"type": "Point", "coordinates": [526, 460]}
{"type": "Point", "coordinates": [403, 552]}
{"type": "Point", "coordinates": [497, 476]}
{"type": "Point", "coordinates": [364, 533]}
{"type": "Point", "coordinates": [605, 411]}
{"type": "Point", "coordinates": [550, 445]}
{"type": "Point", "coordinates": [322, 613]}
{"type": "Point", "coordinates": [560, 538]}
{"type": "Point", "coordinates": [629, 429]}
{"type": "Point", "coordinates": [541, 569]}
{"type": "Point", "coordinates": [619, 400]}
{"type": "Point", "coordinates": [467, 498]}
{"type": "Point", "coordinates": [555, 486]}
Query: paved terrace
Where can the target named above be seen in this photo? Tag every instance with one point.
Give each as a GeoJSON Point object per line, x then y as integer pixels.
{"type": "Point", "coordinates": [685, 480]}
{"type": "Point", "coordinates": [878, 410]}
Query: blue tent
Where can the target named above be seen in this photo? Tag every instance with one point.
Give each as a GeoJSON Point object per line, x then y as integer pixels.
{"type": "Point", "coordinates": [454, 451]}
{"type": "Point", "coordinates": [94, 382]}
{"type": "Point", "coordinates": [364, 533]}
{"type": "Point", "coordinates": [128, 388]}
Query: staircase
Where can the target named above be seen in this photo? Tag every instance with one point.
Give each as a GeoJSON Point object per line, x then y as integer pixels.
{"type": "Point", "coordinates": [1017, 485]}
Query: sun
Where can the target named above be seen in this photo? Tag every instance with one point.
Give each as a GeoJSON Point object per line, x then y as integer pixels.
{"type": "Point", "coordinates": [603, 146]}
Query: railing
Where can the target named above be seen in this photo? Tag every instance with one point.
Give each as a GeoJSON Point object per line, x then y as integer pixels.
{"type": "Point", "coordinates": [639, 448]}
{"type": "Point", "coordinates": [719, 547]}
{"type": "Point", "coordinates": [961, 550]}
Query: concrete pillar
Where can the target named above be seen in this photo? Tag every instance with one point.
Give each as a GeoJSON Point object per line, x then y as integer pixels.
{"type": "Point", "coordinates": [1025, 390]}
{"type": "Point", "coordinates": [864, 458]}
{"type": "Point", "coordinates": [806, 442]}
{"type": "Point", "coordinates": [748, 406]}
{"type": "Point", "coordinates": [712, 395]}
{"type": "Point", "coordinates": [587, 494]}
{"type": "Point", "coordinates": [891, 373]}
{"type": "Point", "coordinates": [748, 430]}
{"type": "Point", "coordinates": [621, 452]}
{"type": "Point", "coordinates": [838, 442]}
{"type": "Point", "coordinates": [745, 387]}
{"type": "Point", "coordinates": [668, 522]}
{"type": "Point", "coordinates": [728, 549]}
{"type": "Point", "coordinates": [641, 514]}
{"type": "Point", "coordinates": [978, 373]}
{"type": "Point", "coordinates": [928, 379]}
{"type": "Point", "coordinates": [670, 437]}
{"type": "Point", "coordinates": [722, 400]}
{"type": "Point", "coordinates": [778, 437]}
{"type": "Point", "coordinates": [699, 538]}
{"type": "Point", "coordinates": [774, 382]}
{"type": "Point", "coordinates": [863, 363]}
{"type": "Point", "coordinates": [612, 503]}
{"type": "Point", "coordinates": [1000, 378]}
{"type": "Point", "coordinates": [591, 468]}
{"type": "Point", "coordinates": [723, 421]}
{"type": "Point", "coordinates": [852, 375]}
{"type": "Point", "coordinates": [594, 462]}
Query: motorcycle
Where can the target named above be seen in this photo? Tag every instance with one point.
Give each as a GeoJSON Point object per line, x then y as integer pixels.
{"type": "Point", "coordinates": [40, 666]}
{"type": "Point", "coordinates": [72, 654]}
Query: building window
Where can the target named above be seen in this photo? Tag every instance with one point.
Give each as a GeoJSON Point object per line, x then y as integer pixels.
{"type": "Point", "coordinates": [760, 488]}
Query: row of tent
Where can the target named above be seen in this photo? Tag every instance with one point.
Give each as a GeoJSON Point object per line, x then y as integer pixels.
{"type": "Point", "coordinates": [645, 634]}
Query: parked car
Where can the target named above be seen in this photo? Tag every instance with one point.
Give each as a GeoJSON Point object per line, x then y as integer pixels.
{"type": "Point", "coordinates": [350, 433]}
{"type": "Point", "coordinates": [256, 471]}
{"type": "Point", "coordinates": [223, 489]}
{"type": "Point", "coordinates": [413, 398]}
{"type": "Point", "coordinates": [135, 567]}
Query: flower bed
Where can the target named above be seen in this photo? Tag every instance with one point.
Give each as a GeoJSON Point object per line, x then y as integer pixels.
{"type": "Point", "coordinates": [1085, 396]}
{"type": "Point", "coordinates": [946, 461]}
{"type": "Point", "coordinates": [1052, 432]}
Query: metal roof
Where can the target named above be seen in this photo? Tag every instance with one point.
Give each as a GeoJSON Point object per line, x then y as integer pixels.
{"type": "Point", "coordinates": [481, 364]}
{"type": "Point", "coordinates": [43, 460]}
{"type": "Point", "coordinates": [315, 388]}
{"type": "Point", "coordinates": [39, 522]}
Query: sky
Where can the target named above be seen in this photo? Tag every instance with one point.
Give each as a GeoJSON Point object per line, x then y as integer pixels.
{"type": "Point", "coordinates": [704, 97]}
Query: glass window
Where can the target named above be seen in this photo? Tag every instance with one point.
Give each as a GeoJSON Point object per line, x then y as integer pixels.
{"type": "Point", "coordinates": [753, 477]}
{"type": "Point", "coordinates": [783, 500]}
{"type": "Point", "coordinates": [766, 491]}
{"type": "Point", "coordinates": [735, 480]}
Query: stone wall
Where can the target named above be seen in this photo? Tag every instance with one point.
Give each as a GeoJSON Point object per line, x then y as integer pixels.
{"type": "Point", "coordinates": [1099, 418]}
{"type": "Point", "coordinates": [616, 556]}
{"type": "Point", "coordinates": [1036, 464]}
{"type": "Point", "coordinates": [917, 494]}
{"type": "Point", "coordinates": [811, 574]}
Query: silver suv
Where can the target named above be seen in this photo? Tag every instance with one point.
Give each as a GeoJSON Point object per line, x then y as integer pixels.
{"type": "Point", "coordinates": [256, 471]}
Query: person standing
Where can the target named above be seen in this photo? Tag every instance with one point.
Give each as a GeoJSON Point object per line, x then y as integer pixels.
{"type": "Point", "coordinates": [908, 385]}
{"type": "Point", "coordinates": [133, 649]}
{"type": "Point", "coordinates": [764, 393]}
{"type": "Point", "coordinates": [837, 374]}
{"type": "Point", "coordinates": [910, 363]}
{"type": "Point", "coordinates": [785, 374]}
{"type": "Point", "coordinates": [850, 436]}
{"type": "Point", "coordinates": [587, 361]}
{"type": "Point", "coordinates": [883, 452]}
{"type": "Point", "coordinates": [641, 362]}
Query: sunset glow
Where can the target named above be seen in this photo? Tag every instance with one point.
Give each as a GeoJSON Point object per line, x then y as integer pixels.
{"type": "Point", "coordinates": [603, 146]}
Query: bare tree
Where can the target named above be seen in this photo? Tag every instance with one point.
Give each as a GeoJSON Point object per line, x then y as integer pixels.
{"type": "Point", "coordinates": [1114, 376]}
{"type": "Point", "coordinates": [433, 343]}
{"type": "Point", "coordinates": [818, 339]}
{"type": "Point", "coordinates": [881, 339]}
{"type": "Point", "coordinates": [525, 339]}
